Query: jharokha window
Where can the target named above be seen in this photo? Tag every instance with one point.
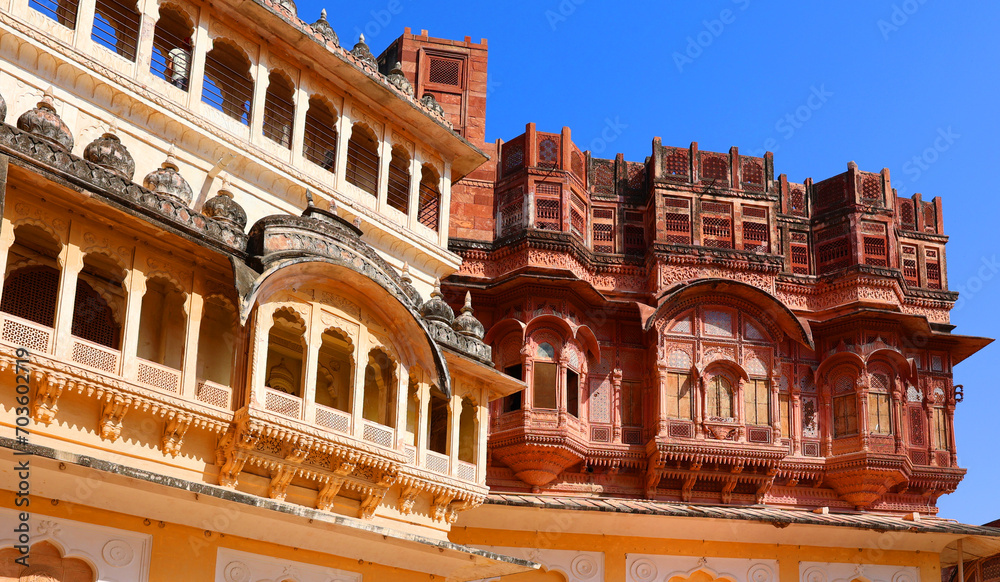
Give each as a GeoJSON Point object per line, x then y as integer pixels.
{"type": "Point", "coordinates": [100, 295]}
{"type": "Point", "coordinates": [362, 159]}
{"type": "Point", "coordinates": [228, 84]}
{"type": "Point", "coordinates": [335, 371]}
{"type": "Point", "coordinates": [398, 192]}
{"type": "Point", "coordinates": [757, 402]}
{"type": "Point", "coordinates": [116, 27]}
{"type": "Point", "coordinates": [279, 109]}
{"type": "Point", "coordinates": [171, 59]}
{"type": "Point", "coordinates": [286, 353]}
{"type": "Point", "coordinates": [879, 405]}
{"type": "Point", "coordinates": [719, 397]}
{"type": "Point", "coordinates": [679, 395]}
{"type": "Point", "coordinates": [379, 404]}
{"type": "Point", "coordinates": [320, 140]}
{"type": "Point", "coordinates": [544, 382]}
{"type": "Point", "coordinates": [845, 407]}
{"type": "Point", "coordinates": [429, 209]}
{"type": "Point", "coordinates": [62, 11]}
{"type": "Point", "coordinates": [31, 284]}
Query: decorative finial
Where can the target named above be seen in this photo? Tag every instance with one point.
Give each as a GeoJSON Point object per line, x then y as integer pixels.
{"type": "Point", "coordinates": [357, 221]}
{"type": "Point", "coordinates": [405, 273]}
{"type": "Point", "coordinates": [468, 302]}
{"type": "Point", "coordinates": [437, 288]}
{"type": "Point", "coordinates": [309, 199]}
{"type": "Point", "coordinates": [171, 161]}
{"type": "Point", "coordinates": [333, 205]}
{"type": "Point", "coordinates": [322, 13]}
{"type": "Point", "coordinates": [361, 37]}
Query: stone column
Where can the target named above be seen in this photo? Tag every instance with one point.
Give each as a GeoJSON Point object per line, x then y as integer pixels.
{"type": "Point", "coordinates": [258, 374]}
{"type": "Point", "coordinates": [616, 402]}
{"type": "Point", "coordinates": [414, 200]}
{"type": "Point", "coordinates": [898, 410]}
{"type": "Point", "coordinates": [196, 77]}
{"type": "Point", "coordinates": [402, 404]}
{"type": "Point", "coordinates": [444, 204]}
{"type": "Point", "coordinates": [135, 283]}
{"type": "Point", "coordinates": [862, 392]}
{"type": "Point", "coordinates": [384, 158]}
{"type": "Point", "coordinates": [299, 123]}
{"type": "Point", "coordinates": [482, 435]}
{"type": "Point", "coordinates": [795, 430]}
{"type": "Point", "coordinates": [259, 73]}
{"type": "Point", "coordinates": [346, 127]}
{"type": "Point", "coordinates": [423, 420]}
{"type": "Point", "coordinates": [358, 396]}
{"type": "Point", "coordinates": [314, 340]}
{"type": "Point", "coordinates": [774, 407]}
{"type": "Point", "coordinates": [6, 241]}
{"type": "Point", "coordinates": [195, 309]}
{"type": "Point", "coordinates": [454, 419]}
{"type": "Point", "coordinates": [662, 414]}
{"type": "Point", "coordinates": [149, 14]}
{"type": "Point", "coordinates": [70, 264]}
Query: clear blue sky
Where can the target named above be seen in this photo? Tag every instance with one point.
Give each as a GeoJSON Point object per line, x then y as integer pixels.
{"type": "Point", "coordinates": [895, 76]}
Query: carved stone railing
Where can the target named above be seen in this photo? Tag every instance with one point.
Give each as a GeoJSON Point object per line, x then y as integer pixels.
{"type": "Point", "coordinates": [27, 334]}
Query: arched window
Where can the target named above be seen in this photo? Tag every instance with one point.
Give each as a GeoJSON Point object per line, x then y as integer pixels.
{"type": "Point", "coordinates": [116, 26]}
{"type": "Point", "coordinates": [171, 59]}
{"type": "Point", "coordinates": [99, 296]}
{"type": "Point", "coordinates": [467, 432]}
{"type": "Point", "coordinates": [437, 423]}
{"type": "Point", "coordinates": [429, 204]}
{"type": "Point", "coordinates": [228, 84]}
{"type": "Point", "coordinates": [398, 195]}
{"type": "Point", "coordinates": [362, 159]}
{"type": "Point", "coordinates": [412, 409]}
{"type": "Point", "coordinates": [285, 355]}
{"type": "Point", "coordinates": [513, 402]}
{"type": "Point", "coordinates": [335, 371]}
{"type": "Point", "coordinates": [941, 440]}
{"type": "Point", "coordinates": [879, 404]}
{"type": "Point", "coordinates": [720, 397]}
{"type": "Point", "coordinates": [320, 145]}
{"type": "Point", "coordinates": [47, 565]}
{"type": "Point", "coordinates": [62, 11]}
{"type": "Point", "coordinates": [279, 109]}
{"type": "Point", "coordinates": [845, 406]}
{"type": "Point", "coordinates": [757, 402]}
{"type": "Point", "coordinates": [31, 285]}
{"type": "Point", "coordinates": [572, 392]}
{"type": "Point", "coordinates": [544, 371]}
{"type": "Point", "coordinates": [679, 395]}
{"type": "Point", "coordinates": [380, 389]}
{"type": "Point", "coordinates": [216, 338]}
{"type": "Point", "coordinates": [162, 324]}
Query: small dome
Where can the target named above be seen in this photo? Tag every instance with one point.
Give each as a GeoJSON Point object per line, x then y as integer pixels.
{"type": "Point", "coordinates": [431, 103]}
{"type": "Point", "coordinates": [363, 53]}
{"type": "Point", "coordinates": [168, 182]}
{"type": "Point", "coordinates": [287, 5]}
{"type": "Point", "coordinates": [281, 378]}
{"type": "Point", "coordinates": [108, 152]}
{"type": "Point", "coordinates": [3, 109]}
{"type": "Point", "coordinates": [435, 309]}
{"type": "Point", "coordinates": [323, 27]}
{"type": "Point", "coordinates": [397, 78]}
{"type": "Point", "coordinates": [223, 208]}
{"type": "Point", "coordinates": [466, 324]}
{"type": "Point", "coordinates": [44, 122]}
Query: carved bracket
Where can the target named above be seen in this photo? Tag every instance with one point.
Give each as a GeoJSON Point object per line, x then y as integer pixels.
{"type": "Point", "coordinates": [112, 414]}
{"type": "Point", "coordinates": [45, 404]}
{"type": "Point", "coordinates": [173, 433]}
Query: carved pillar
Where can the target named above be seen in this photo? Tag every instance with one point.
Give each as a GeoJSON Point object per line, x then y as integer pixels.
{"type": "Point", "coordinates": [898, 410]}
{"type": "Point", "coordinates": [258, 344]}
{"type": "Point", "coordinates": [384, 157]}
{"type": "Point", "coordinates": [414, 198]}
{"type": "Point", "coordinates": [358, 396]}
{"type": "Point", "coordinates": [85, 28]}
{"type": "Point", "coordinates": [950, 421]}
{"type": "Point", "coordinates": [149, 14]}
{"type": "Point", "coordinates": [795, 430]}
{"type": "Point", "coordinates": [482, 434]}
{"type": "Point", "coordinates": [444, 206]}
{"type": "Point", "coordinates": [135, 283]}
{"type": "Point", "coordinates": [6, 240]}
{"type": "Point", "coordinates": [345, 128]}
{"type": "Point", "coordinates": [774, 407]}
{"type": "Point", "coordinates": [423, 419]}
{"type": "Point", "coordinates": [314, 340]}
{"type": "Point", "coordinates": [195, 309]}
{"type": "Point", "coordinates": [616, 404]}
{"type": "Point", "coordinates": [700, 397]}
{"type": "Point", "coordinates": [299, 123]}
{"type": "Point", "coordinates": [931, 429]}
{"type": "Point", "coordinates": [402, 403]}
{"type": "Point", "coordinates": [662, 413]}
{"type": "Point", "coordinates": [861, 385]}
{"type": "Point", "coordinates": [196, 78]}
{"type": "Point", "coordinates": [527, 403]}
{"type": "Point", "coordinates": [561, 385]}
{"type": "Point", "coordinates": [454, 430]}
{"type": "Point", "coordinates": [739, 408]}
{"type": "Point", "coordinates": [260, 83]}
{"type": "Point", "coordinates": [826, 415]}
{"type": "Point", "coordinates": [70, 264]}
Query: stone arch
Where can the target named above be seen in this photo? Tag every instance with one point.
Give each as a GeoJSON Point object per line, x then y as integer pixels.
{"type": "Point", "coordinates": [49, 563]}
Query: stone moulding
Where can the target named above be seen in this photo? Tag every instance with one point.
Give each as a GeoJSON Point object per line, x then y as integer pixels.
{"type": "Point", "coordinates": [31, 151]}
{"type": "Point", "coordinates": [334, 463]}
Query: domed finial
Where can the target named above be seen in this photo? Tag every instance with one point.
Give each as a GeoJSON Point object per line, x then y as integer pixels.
{"type": "Point", "coordinates": [171, 161]}
{"type": "Point", "coordinates": [431, 103]}
{"type": "Point", "coordinates": [108, 152]}
{"type": "Point", "coordinates": [309, 199]}
{"type": "Point", "coordinates": [466, 324]}
{"type": "Point", "coordinates": [357, 222]}
{"type": "Point", "coordinates": [224, 208]}
{"type": "Point", "coordinates": [363, 53]}
{"type": "Point", "coordinates": [435, 309]}
{"type": "Point", "coordinates": [404, 276]}
{"type": "Point", "coordinates": [43, 122]}
{"type": "Point", "coordinates": [333, 205]}
{"type": "Point", "coordinates": [322, 26]}
{"type": "Point", "coordinates": [399, 80]}
{"type": "Point", "coordinates": [437, 288]}
{"type": "Point", "coordinates": [168, 181]}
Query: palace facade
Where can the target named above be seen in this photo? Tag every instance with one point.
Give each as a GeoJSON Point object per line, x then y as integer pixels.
{"type": "Point", "coordinates": [273, 310]}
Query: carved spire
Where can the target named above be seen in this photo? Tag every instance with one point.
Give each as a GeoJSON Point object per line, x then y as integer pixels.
{"type": "Point", "coordinates": [466, 324]}
{"type": "Point", "coordinates": [435, 309]}
{"type": "Point", "coordinates": [363, 53]}
{"type": "Point", "coordinates": [322, 26]}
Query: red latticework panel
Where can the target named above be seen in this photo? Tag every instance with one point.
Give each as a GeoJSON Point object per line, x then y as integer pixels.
{"type": "Point", "coordinates": [30, 293]}
{"type": "Point", "coordinates": [907, 217]}
{"type": "Point", "coordinates": [717, 225]}
{"type": "Point", "coordinates": [429, 209]}
{"type": "Point", "coordinates": [600, 434]}
{"type": "Point", "coordinates": [918, 457]}
{"type": "Point", "coordinates": [930, 218]}
{"type": "Point", "coordinates": [755, 212]}
{"type": "Point", "coordinates": [511, 211]}
{"type": "Point", "coordinates": [604, 230]}
{"type": "Point", "coordinates": [753, 175]}
{"type": "Point", "coordinates": [714, 168]}
{"type": "Point", "coordinates": [677, 164]}
{"type": "Point", "coordinates": [92, 318]}
{"type": "Point", "coordinates": [632, 436]}
{"type": "Point", "coordinates": [578, 166]}
{"type": "Point", "coordinates": [810, 449]}
{"type": "Point", "coordinates": [681, 430]}
{"type": "Point", "coordinates": [917, 427]}
{"type": "Point", "coordinates": [635, 239]}
{"type": "Point", "coordinates": [577, 222]}
{"type": "Point", "coordinates": [445, 71]}
{"type": "Point", "coordinates": [875, 251]}
{"type": "Point", "coordinates": [603, 176]}
{"type": "Point", "coordinates": [833, 255]}
{"type": "Point", "coordinates": [548, 152]}
{"type": "Point", "coordinates": [759, 434]}
{"type": "Point", "coordinates": [547, 215]}
{"type": "Point", "coordinates": [910, 265]}
{"type": "Point", "coordinates": [933, 275]}
{"type": "Point", "coordinates": [991, 569]}
{"type": "Point", "coordinates": [797, 201]}
{"type": "Point", "coordinates": [755, 237]}
{"type": "Point", "coordinates": [636, 178]}
{"type": "Point", "coordinates": [871, 188]}
{"type": "Point", "coordinates": [513, 155]}
{"type": "Point", "coordinates": [799, 258]}
{"type": "Point", "coordinates": [830, 192]}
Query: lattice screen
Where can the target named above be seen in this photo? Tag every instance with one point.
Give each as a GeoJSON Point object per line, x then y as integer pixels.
{"type": "Point", "coordinates": [30, 293]}
{"type": "Point", "coordinates": [717, 225]}
{"type": "Point", "coordinates": [677, 220]}
{"type": "Point", "coordinates": [604, 230]}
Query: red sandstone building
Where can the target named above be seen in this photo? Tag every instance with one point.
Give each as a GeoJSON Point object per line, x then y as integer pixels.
{"type": "Point", "coordinates": [693, 327]}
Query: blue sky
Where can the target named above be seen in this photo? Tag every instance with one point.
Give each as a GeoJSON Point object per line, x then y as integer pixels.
{"type": "Point", "coordinates": [908, 85]}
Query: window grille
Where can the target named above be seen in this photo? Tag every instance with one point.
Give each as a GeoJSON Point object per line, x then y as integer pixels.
{"type": "Point", "coordinates": [320, 139]}
{"type": "Point", "coordinates": [116, 27]}
{"type": "Point", "coordinates": [429, 203]}
{"type": "Point", "coordinates": [30, 293]}
{"type": "Point", "coordinates": [548, 153]}
{"type": "Point", "coordinates": [604, 230]}
{"type": "Point", "coordinates": [398, 188]}
{"type": "Point", "coordinates": [362, 160]}
{"type": "Point", "coordinates": [753, 175]}
{"type": "Point", "coordinates": [717, 225]}
{"type": "Point", "coordinates": [444, 71]}
{"type": "Point", "coordinates": [92, 317]}
{"type": "Point", "coordinates": [62, 11]}
{"type": "Point", "coordinates": [676, 164]}
{"type": "Point", "coordinates": [715, 168]}
{"type": "Point", "coordinates": [171, 59]}
{"type": "Point", "coordinates": [677, 221]}
{"type": "Point", "coordinates": [279, 110]}
{"type": "Point", "coordinates": [228, 86]}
